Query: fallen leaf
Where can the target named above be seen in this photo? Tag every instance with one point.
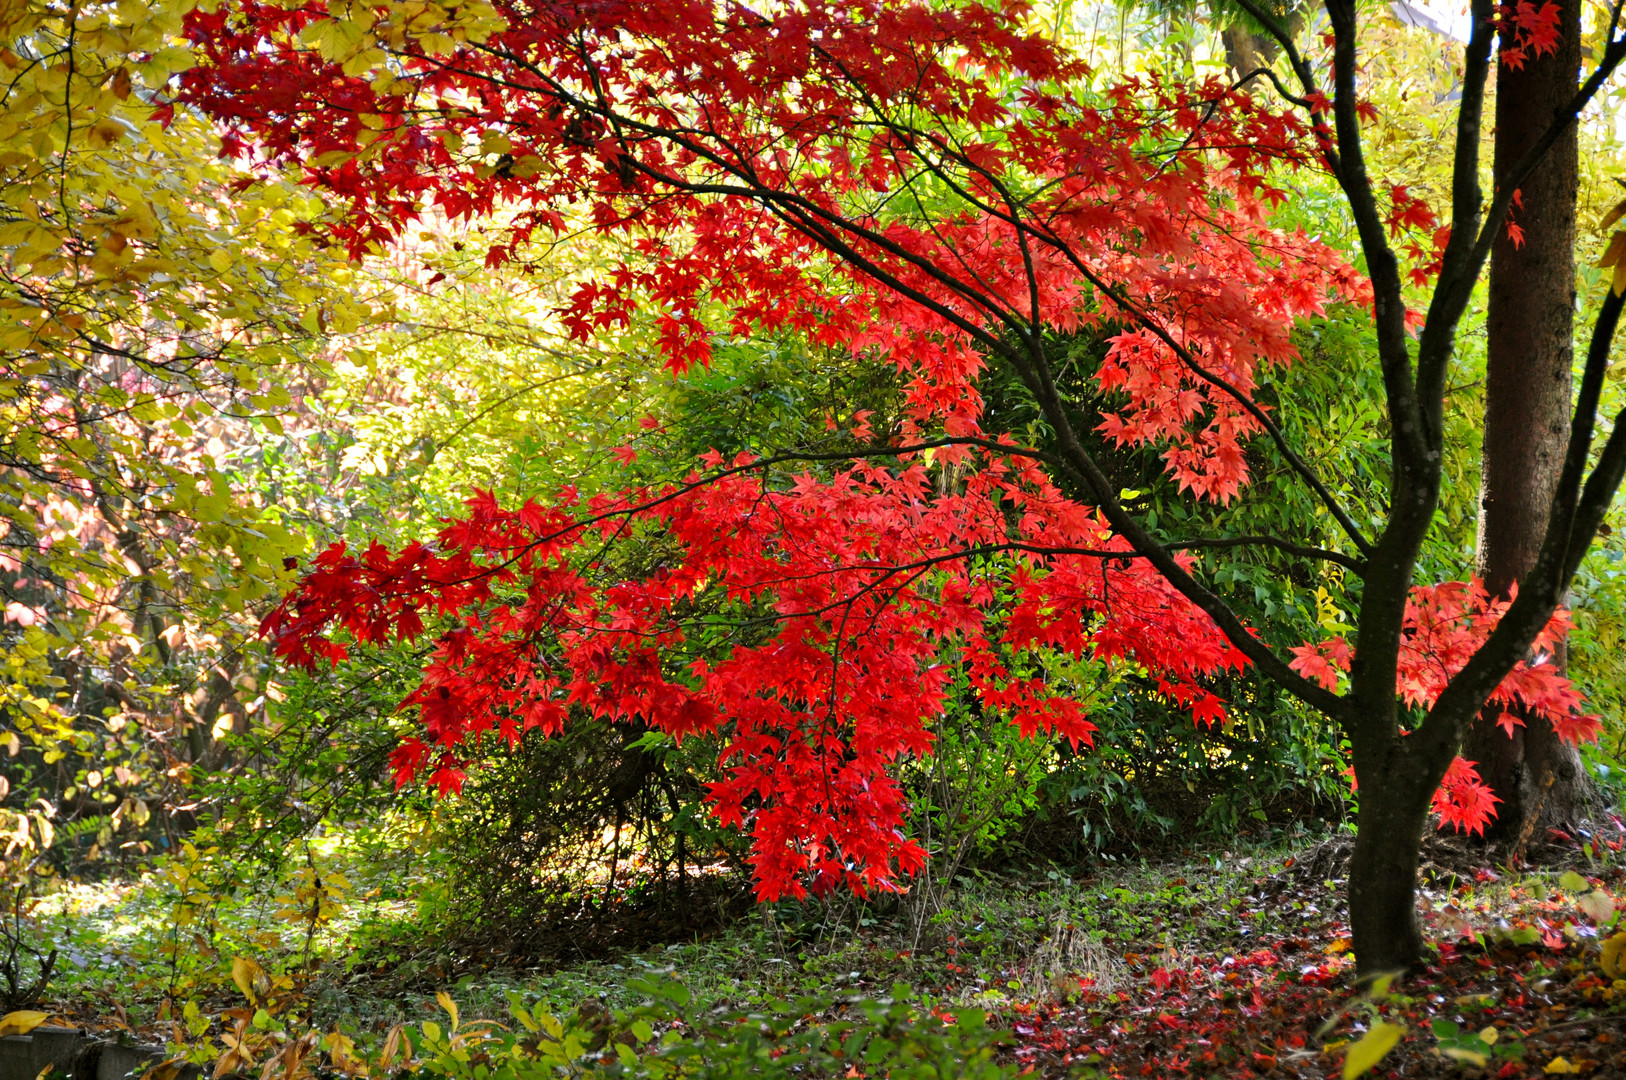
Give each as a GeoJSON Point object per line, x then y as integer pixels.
{"type": "Point", "coordinates": [1597, 906]}
{"type": "Point", "coordinates": [21, 1022]}
{"type": "Point", "coordinates": [1372, 1048]}
{"type": "Point", "coordinates": [1611, 955]}
{"type": "Point", "coordinates": [1463, 1054]}
{"type": "Point", "coordinates": [167, 1070]}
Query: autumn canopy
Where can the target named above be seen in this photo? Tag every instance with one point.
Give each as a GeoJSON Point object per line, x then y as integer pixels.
{"type": "Point", "coordinates": [937, 188]}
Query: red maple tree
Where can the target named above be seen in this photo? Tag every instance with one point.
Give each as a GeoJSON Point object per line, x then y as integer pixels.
{"type": "Point", "coordinates": [938, 188]}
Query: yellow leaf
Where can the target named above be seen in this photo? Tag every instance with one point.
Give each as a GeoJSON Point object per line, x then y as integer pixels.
{"type": "Point", "coordinates": [394, 1043]}
{"type": "Point", "coordinates": [249, 977]}
{"type": "Point", "coordinates": [1372, 1048]}
{"type": "Point", "coordinates": [1470, 1057]}
{"type": "Point", "coordinates": [21, 1022]}
{"type": "Point", "coordinates": [449, 1005]}
{"type": "Point", "coordinates": [1558, 1066]}
{"type": "Point", "coordinates": [342, 1052]}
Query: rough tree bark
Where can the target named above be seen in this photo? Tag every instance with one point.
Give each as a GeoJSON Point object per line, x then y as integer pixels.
{"type": "Point", "coordinates": [1530, 327]}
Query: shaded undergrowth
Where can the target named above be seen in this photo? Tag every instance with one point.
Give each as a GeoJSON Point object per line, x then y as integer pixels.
{"type": "Point", "coordinates": [1219, 963]}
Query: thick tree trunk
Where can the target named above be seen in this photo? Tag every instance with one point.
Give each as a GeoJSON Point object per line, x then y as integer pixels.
{"type": "Point", "coordinates": [1383, 875]}
{"type": "Point", "coordinates": [1530, 326]}
{"type": "Point", "coordinates": [1247, 50]}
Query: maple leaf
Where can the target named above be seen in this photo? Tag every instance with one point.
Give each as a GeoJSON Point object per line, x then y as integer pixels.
{"type": "Point", "coordinates": [1527, 30]}
{"type": "Point", "coordinates": [1463, 801]}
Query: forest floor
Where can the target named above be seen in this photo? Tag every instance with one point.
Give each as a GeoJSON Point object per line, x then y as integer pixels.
{"type": "Point", "coordinates": [1214, 964]}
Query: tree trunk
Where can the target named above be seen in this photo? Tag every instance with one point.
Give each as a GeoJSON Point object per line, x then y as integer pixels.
{"type": "Point", "coordinates": [1530, 326]}
{"type": "Point", "coordinates": [1247, 50]}
{"type": "Point", "coordinates": [1394, 808]}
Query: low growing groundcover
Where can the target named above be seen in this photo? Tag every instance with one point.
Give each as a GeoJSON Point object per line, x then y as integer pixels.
{"type": "Point", "coordinates": [1216, 964]}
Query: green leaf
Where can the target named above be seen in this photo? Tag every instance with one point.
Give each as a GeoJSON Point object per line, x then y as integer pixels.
{"type": "Point", "coordinates": [1372, 1048]}
{"type": "Point", "coordinates": [520, 1013]}
{"type": "Point", "coordinates": [1570, 881]}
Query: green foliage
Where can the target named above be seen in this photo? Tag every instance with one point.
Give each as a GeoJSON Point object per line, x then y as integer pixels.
{"type": "Point", "coordinates": [816, 1036]}
{"type": "Point", "coordinates": [1155, 778]}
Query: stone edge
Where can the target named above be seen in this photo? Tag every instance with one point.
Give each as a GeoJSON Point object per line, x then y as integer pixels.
{"type": "Point", "coordinates": [72, 1054]}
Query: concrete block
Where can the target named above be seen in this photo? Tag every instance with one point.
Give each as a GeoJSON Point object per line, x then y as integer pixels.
{"type": "Point", "coordinates": [116, 1061]}
{"type": "Point", "coordinates": [74, 1055]}
{"type": "Point", "coordinates": [23, 1057]}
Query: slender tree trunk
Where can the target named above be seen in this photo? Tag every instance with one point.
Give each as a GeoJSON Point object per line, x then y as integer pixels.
{"type": "Point", "coordinates": [1383, 875]}
{"type": "Point", "coordinates": [1530, 325]}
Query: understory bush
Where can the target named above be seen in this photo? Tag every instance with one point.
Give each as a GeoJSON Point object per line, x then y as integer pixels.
{"type": "Point", "coordinates": [589, 842]}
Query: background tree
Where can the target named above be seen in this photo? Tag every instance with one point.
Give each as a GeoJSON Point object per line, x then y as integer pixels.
{"type": "Point", "coordinates": [1538, 778]}
{"type": "Point", "coordinates": [160, 305]}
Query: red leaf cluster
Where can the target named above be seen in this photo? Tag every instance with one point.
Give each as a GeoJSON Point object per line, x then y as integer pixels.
{"type": "Point", "coordinates": [753, 163]}
{"type": "Point", "coordinates": [1444, 625]}
{"type": "Point", "coordinates": [865, 588]}
{"type": "Point", "coordinates": [1527, 30]}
